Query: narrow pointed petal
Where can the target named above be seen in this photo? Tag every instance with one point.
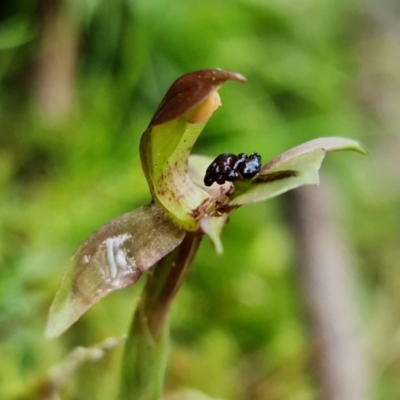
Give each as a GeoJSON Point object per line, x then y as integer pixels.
{"type": "Point", "coordinates": [212, 227]}
{"type": "Point", "coordinates": [296, 167]}
{"type": "Point", "coordinates": [113, 257]}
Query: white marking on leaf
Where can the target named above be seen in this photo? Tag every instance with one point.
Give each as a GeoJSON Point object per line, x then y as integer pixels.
{"type": "Point", "coordinates": [119, 265]}
{"type": "Point", "coordinates": [112, 268]}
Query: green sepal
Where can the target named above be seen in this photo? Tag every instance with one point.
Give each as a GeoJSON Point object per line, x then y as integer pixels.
{"type": "Point", "coordinates": [166, 144]}
{"type": "Point", "coordinates": [296, 167]}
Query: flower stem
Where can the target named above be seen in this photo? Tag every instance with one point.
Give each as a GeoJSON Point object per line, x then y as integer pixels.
{"type": "Point", "coordinates": [146, 348]}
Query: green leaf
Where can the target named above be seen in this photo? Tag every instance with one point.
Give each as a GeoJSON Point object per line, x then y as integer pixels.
{"type": "Point", "coordinates": [113, 257]}
{"type": "Point", "coordinates": [166, 144]}
{"type": "Point", "coordinates": [296, 167]}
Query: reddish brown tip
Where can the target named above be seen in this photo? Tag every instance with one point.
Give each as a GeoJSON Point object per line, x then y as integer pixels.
{"type": "Point", "coordinates": [189, 90]}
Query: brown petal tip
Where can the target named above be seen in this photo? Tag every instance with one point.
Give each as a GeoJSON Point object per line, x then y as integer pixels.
{"type": "Point", "coordinates": [189, 90]}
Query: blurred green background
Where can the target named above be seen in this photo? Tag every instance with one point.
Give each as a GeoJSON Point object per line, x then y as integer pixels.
{"type": "Point", "coordinates": [80, 81]}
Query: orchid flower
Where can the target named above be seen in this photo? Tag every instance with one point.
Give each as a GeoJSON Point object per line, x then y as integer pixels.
{"type": "Point", "coordinates": [168, 231]}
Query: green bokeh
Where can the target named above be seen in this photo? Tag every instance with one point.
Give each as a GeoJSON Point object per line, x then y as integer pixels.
{"type": "Point", "coordinates": [238, 325]}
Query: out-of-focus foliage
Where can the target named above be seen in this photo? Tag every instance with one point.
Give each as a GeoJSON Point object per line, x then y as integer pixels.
{"type": "Point", "coordinates": [238, 325]}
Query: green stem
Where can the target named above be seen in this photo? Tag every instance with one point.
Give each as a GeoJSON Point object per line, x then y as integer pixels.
{"type": "Point", "coordinates": [146, 348]}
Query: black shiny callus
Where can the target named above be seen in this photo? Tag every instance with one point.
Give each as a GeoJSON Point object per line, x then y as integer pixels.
{"type": "Point", "coordinates": [230, 167]}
